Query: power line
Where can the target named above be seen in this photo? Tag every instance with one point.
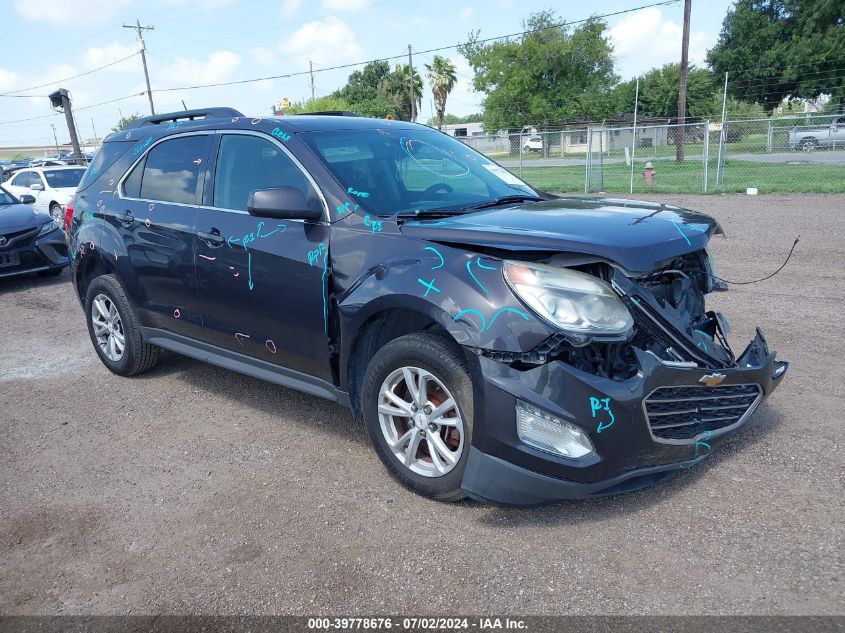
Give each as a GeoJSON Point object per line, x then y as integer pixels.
{"type": "Point", "coordinates": [88, 107]}
{"type": "Point", "coordinates": [58, 81]}
{"type": "Point", "coordinates": [430, 50]}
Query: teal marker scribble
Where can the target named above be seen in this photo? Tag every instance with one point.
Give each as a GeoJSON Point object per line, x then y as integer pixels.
{"type": "Point", "coordinates": [484, 324]}
{"type": "Point", "coordinates": [429, 286]}
{"type": "Point", "coordinates": [601, 404]}
{"type": "Point", "coordinates": [682, 233]}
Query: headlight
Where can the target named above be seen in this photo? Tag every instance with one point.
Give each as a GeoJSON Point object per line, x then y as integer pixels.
{"type": "Point", "coordinates": [570, 300]}
{"type": "Point", "coordinates": [52, 225]}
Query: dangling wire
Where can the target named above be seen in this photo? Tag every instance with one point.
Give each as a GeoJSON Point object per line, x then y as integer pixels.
{"type": "Point", "coordinates": [743, 283]}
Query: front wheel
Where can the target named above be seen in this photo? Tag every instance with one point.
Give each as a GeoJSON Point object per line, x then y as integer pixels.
{"type": "Point", "coordinates": [56, 213]}
{"type": "Point", "coordinates": [809, 144]}
{"type": "Point", "coordinates": [418, 410]}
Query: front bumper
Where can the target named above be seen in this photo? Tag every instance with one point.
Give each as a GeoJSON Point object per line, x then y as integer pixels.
{"type": "Point", "coordinates": [33, 255]}
{"type": "Point", "coordinates": [501, 469]}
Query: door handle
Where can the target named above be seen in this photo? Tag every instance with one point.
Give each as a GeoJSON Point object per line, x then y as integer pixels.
{"type": "Point", "coordinates": [212, 238]}
{"type": "Point", "coordinates": [126, 218]}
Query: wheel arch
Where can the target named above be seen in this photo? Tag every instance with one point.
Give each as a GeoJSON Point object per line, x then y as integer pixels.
{"type": "Point", "coordinates": [90, 266]}
{"type": "Point", "coordinates": [378, 327]}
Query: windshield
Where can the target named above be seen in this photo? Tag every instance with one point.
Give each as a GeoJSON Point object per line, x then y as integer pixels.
{"type": "Point", "coordinates": [6, 198]}
{"type": "Point", "coordinates": [389, 171]}
{"type": "Point", "coordinates": [58, 178]}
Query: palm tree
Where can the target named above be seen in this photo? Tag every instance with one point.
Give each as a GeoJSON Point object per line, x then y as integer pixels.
{"type": "Point", "coordinates": [396, 87]}
{"type": "Point", "coordinates": [441, 74]}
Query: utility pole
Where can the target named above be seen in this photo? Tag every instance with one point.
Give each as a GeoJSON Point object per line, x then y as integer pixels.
{"type": "Point", "coordinates": [411, 85]}
{"type": "Point", "coordinates": [60, 99]}
{"type": "Point", "coordinates": [311, 71]}
{"type": "Point", "coordinates": [682, 88]}
{"type": "Point", "coordinates": [138, 28]}
{"type": "Point", "coordinates": [55, 138]}
{"type": "Point", "coordinates": [95, 130]}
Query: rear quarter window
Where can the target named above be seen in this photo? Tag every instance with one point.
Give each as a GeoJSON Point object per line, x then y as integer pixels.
{"type": "Point", "coordinates": [106, 156]}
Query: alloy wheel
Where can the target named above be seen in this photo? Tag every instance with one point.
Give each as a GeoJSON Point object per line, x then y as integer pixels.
{"type": "Point", "coordinates": [108, 327]}
{"type": "Point", "coordinates": [421, 422]}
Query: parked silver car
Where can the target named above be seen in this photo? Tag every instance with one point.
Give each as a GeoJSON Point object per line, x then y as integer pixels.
{"type": "Point", "coordinates": [810, 137]}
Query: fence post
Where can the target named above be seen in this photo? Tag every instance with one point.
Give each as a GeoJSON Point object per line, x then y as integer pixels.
{"type": "Point", "coordinates": [706, 153]}
{"type": "Point", "coordinates": [588, 164]}
{"type": "Point", "coordinates": [769, 136]}
{"type": "Point", "coordinates": [520, 155]}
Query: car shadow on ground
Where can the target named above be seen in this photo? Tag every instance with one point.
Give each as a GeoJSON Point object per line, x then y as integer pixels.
{"type": "Point", "coordinates": [246, 392]}
{"type": "Point", "coordinates": [31, 281]}
{"type": "Point", "coordinates": [597, 509]}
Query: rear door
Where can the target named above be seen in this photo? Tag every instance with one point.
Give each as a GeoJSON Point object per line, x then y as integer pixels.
{"type": "Point", "coordinates": [155, 217]}
{"type": "Point", "coordinates": [263, 282]}
{"type": "Point", "coordinates": [19, 184]}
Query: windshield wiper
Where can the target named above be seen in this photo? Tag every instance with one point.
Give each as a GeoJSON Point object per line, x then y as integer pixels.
{"type": "Point", "coordinates": [504, 200]}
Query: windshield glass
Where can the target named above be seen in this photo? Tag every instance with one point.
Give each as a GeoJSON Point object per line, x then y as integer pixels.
{"type": "Point", "coordinates": [58, 178]}
{"type": "Point", "coordinates": [5, 198]}
{"type": "Point", "coordinates": [389, 171]}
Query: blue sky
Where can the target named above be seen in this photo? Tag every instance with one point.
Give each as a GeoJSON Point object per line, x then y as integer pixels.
{"type": "Point", "coordinates": [209, 41]}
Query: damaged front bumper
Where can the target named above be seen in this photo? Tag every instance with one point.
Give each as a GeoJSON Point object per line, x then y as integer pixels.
{"type": "Point", "coordinates": [667, 417]}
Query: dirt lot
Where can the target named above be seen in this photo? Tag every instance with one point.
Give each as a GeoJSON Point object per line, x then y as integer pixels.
{"type": "Point", "coordinates": [196, 490]}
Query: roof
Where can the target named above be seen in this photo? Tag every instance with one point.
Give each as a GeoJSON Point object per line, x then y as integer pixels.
{"type": "Point", "coordinates": [53, 168]}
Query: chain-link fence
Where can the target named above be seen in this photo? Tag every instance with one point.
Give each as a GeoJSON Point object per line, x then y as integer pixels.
{"type": "Point", "coordinates": [790, 154]}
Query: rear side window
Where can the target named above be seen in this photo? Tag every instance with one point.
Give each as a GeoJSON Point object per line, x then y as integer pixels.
{"type": "Point", "coordinates": [59, 178]}
{"type": "Point", "coordinates": [105, 157]}
{"type": "Point", "coordinates": [246, 163]}
{"type": "Point", "coordinates": [171, 170]}
{"type": "Point", "coordinates": [22, 179]}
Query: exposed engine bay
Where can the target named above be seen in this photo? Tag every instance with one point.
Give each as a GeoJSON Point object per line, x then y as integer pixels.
{"type": "Point", "coordinates": [670, 322]}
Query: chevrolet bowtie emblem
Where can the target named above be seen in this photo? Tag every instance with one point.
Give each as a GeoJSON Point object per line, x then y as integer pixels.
{"type": "Point", "coordinates": [711, 380]}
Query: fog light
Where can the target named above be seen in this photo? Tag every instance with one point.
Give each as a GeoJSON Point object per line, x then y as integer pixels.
{"type": "Point", "coordinates": [550, 433]}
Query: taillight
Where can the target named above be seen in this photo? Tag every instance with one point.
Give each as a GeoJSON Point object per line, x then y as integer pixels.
{"type": "Point", "coordinates": [68, 214]}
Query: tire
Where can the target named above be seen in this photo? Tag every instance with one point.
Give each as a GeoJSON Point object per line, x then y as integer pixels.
{"type": "Point", "coordinates": [136, 356]}
{"type": "Point", "coordinates": [56, 213]}
{"type": "Point", "coordinates": [52, 272]}
{"type": "Point", "coordinates": [436, 466]}
{"type": "Point", "coordinates": [808, 144]}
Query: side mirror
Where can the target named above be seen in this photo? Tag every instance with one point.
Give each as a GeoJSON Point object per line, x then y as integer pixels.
{"type": "Point", "coordinates": [281, 203]}
{"type": "Point", "coordinates": [27, 199]}
{"type": "Point", "coordinates": [37, 186]}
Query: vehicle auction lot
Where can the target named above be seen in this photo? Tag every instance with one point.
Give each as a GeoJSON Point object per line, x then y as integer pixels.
{"type": "Point", "coordinates": [192, 489]}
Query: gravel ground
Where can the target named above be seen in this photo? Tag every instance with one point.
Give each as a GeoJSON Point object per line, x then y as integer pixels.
{"type": "Point", "coordinates": [196, 490]}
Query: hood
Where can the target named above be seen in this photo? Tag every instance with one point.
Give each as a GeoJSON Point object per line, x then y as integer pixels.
{"type": "Point", "coordinates": [20, 216]}
{"type": "Point", "coordinates": [636, 235]}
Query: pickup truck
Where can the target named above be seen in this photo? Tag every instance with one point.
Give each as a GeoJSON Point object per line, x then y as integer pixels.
{"type": "Point", "coordinates": [808, 138]}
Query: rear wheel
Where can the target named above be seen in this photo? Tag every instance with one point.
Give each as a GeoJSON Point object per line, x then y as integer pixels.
{"type": "Point", "coordinates": [114, 329]}
{"type": "Point", "coordinates": [417, 399]}
{"type": "Point", "coordinates": [56, 213]}
{"type": "Point", "coordinates": [809, 144]}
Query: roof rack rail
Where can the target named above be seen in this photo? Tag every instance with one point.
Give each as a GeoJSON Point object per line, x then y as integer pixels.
{"type": "Point", "coordinates": [330, 113]}
{"type": "Point", "coordinates": [189, 115]}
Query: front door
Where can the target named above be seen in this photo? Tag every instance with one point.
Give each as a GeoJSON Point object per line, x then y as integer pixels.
{"type": "Point", "coordinates": [263, 282]}
{"type": "Point", "coordinates": [155, 217]}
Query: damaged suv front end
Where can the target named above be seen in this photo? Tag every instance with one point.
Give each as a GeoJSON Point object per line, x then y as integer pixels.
{"type": "Point", "coordinates": [617, 376]}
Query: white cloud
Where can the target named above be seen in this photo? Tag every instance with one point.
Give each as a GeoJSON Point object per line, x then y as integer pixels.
{"type": "Point", "coordinates": [100, 56]}
{"type": "Point", "coordinates": [309, 42]}
{"type": "Point", "coordinates": [290, 7]}
{"type": "Point", "coordinates": [8, 79]}
{"type": "Point", "coordinates": [62, 12]}
{"type": "Point", "coordinates": [345, 5]}
{"type": "Point", "coordinates": [262, 57]}
{"type": "Point", "coordinates": [645, 40]}
{"type": "Point", "coordinates": [219, 66]}
{"type": "Point", "coordinates": [466, 13]}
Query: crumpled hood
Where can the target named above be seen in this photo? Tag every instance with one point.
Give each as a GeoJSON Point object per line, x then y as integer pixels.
{"type": "Point", "coordinates": [636, 235]}
{"type": "Point", "coordinates": [20, 216]}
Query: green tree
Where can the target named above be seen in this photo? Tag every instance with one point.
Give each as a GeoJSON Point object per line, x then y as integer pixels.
{"type": "Point", "coordinates": [451, 119]}
{"type": "Point", "coordinates": [659, 93]}
{"type": "Point", "coordinates": [126, 122]}
{"type": "Point", "coordinates": [778, 48]}
{"type": "Point", "coordinates": [551, 74]}
{"type": "Point", "coordinates": [320, 104]}
{"type": "Point", "coordinates": [441, 74]}
{"type": "Point", "coordinates": [395, 87]}
{"type": "Point", "coordinates": [369, 91]}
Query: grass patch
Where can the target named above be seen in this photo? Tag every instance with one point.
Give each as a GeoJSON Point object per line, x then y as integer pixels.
{"type": "Point", "coordinates": [688, 177]}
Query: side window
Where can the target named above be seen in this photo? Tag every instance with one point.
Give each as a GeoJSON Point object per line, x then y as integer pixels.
{"type": "Point", "coordinates": [21, 180]}
{"type": "Point", "coordinates": [132, 184]}
{"type": "Point", "coordinates": [246, 163]}
{"type": "Point", "coordinates": [172, 169]}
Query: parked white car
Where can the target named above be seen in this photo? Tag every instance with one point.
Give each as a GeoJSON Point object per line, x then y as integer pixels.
{"type": "Point", "coordinates": [52, 187]}
{"type": "Point", "coordinates": [533, 144]}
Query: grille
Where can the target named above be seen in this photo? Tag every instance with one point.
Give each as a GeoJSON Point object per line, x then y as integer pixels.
{"type": "Point", "coordinates": [681, 413]}
{"type": "Point", "coordinates": [19, 238]}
